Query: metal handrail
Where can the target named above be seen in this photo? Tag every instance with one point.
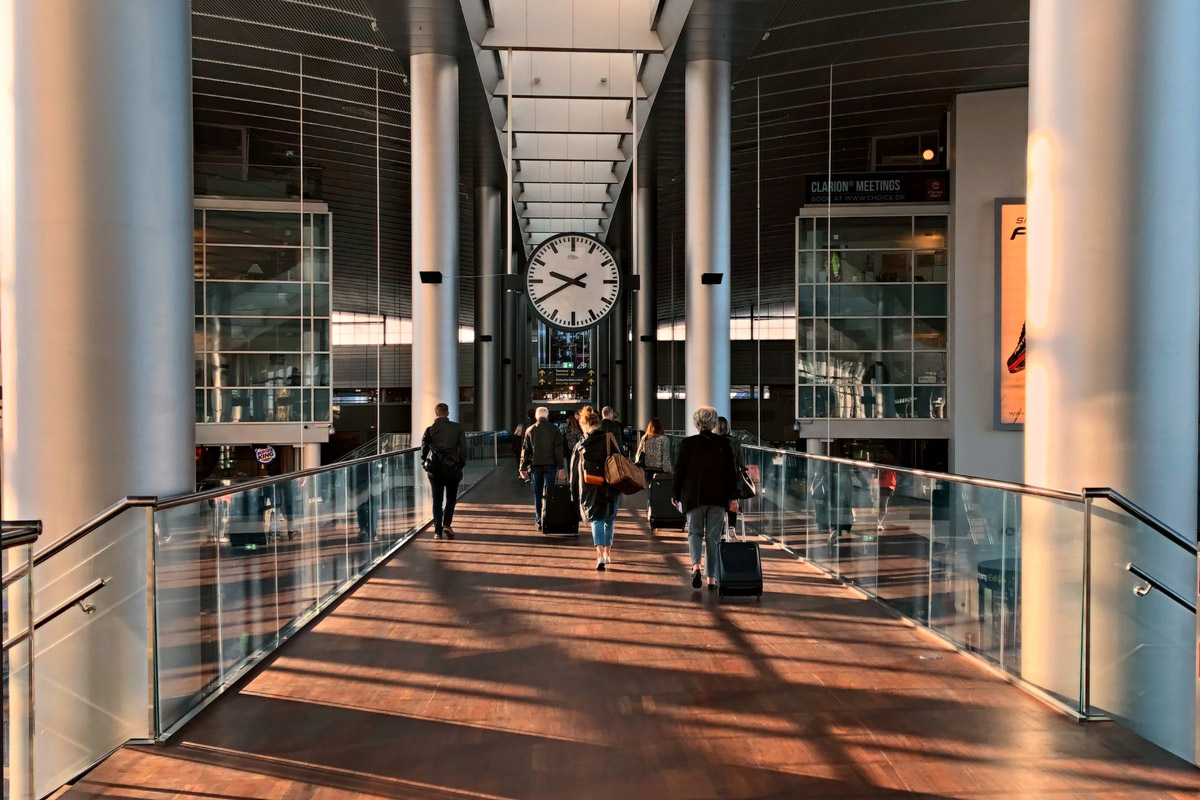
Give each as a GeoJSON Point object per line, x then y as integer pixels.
{"type": "Point", "coordinates": [1154, 583]}
{"type": "Point", "coordinates": [59, 610]}
{"type": "Point", "coordinates": [986, 483]}
{"type": "Point", "coordinates": [184, 499]}
{"type": "Point", "coordinates": [1142, 515]}
{"type": "Point", "coordinates": [17, 533]}
{"type": "Point", "coordinates": [108, 514]}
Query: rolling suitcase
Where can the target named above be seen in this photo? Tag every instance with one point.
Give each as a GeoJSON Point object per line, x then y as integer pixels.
{"type": "Point", "coordinates": [560, 514]}
{"type": "Point", "coordinates": [739, 569]}
{"type": "Point", "coordinates": [662, 512]}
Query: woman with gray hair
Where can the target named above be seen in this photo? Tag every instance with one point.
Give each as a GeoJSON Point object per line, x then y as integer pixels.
{"type": "Point", "coordinates": [705, 482]}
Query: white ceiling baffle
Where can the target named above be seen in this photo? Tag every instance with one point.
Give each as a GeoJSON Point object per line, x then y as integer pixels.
{"type": "Point", "coordinates": [561, 78]}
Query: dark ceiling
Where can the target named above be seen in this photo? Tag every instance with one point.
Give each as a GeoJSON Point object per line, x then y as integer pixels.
{"type": "Point", "coordinates": [856, 68]}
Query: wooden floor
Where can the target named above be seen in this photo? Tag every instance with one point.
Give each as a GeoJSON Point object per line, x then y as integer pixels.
{"type": "Point", "coordinates": [502, 665]}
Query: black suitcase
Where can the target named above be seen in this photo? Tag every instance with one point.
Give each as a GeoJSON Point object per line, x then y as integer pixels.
{"type": "Point", "coordinates": [560, 514]}
{"type": "Point", "coordinates": [739, 569]}
{"type": "Point", "coordinates": [662, 512]}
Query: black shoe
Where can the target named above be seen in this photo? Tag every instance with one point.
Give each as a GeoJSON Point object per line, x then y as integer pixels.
{"type": "Point", "coordinates": [600, 565]}
{"type": "Point", "coordinates": [539, 524]}
{"type": "Point", "coordinates": [437, 536]}
{"type": "Point", "coordinates": [448, 532]}
{"type": "Point", "coordinates": [696, 579]}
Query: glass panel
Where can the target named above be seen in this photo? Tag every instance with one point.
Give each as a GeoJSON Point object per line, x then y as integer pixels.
{"type": "Point", "coordinates": [930, 300]}
{"type": "Point", "coordinates": [871, 334]}
{"type": "Point", "coordinates": [199, 295]}
{"type": "Point", "coordinates": [808, 267]}
{"type": "Point", "coordinates": [814, 233]}
{"type": "Point", "coordinates": [249, 617]}
{"type": "Point", "coordinates": [261, 335]}
{"type": "Point", "coordinates": [929, 367]}
{"type": "Point", "coordinates": [872, 232]}
{"type": "Point", "coordinates": [1148, 636]}
{"type": "Point", "coordinates": [296, 550]}
{"type": "Point", "coordinates": [929, 334]}
{"type": "Point", "coordinates": [321, 405]}
{"type": "Point", "coordinates": [252, 264]}
{"type": "Point", "coordinates": [931, 266]}
{"type": "Point", "coordinates": [866, 301]}
{"type": "Point", "coordinates": [255, 405]}
{"type": "Point", "coordinates": [318, 304]}
{"type": "Point", "coordinates": [805, 304]}
{"type": "Point", "coordinates": [259, 369]}
{"type": "Point", "coordinates": [253, 227]}
{"type": "Point", "coordinates": [317, 335]}
{"type": "Point", "coordinates": [316, 232]}
{"type": "Point", "coordinates": [930, 233]}
{"type": "Point", "coordinates": [868, 266]}
{"type": "Point", "coordinates": [187, 614]}
{"type": "Point", "coordinates": [929, 402]}
{"type": "Point", "coordinates": [903, 577]}
{"type": "Point", "coordinates": [316, 265]}
{"type": "Point", "coordinates": [256, 299]}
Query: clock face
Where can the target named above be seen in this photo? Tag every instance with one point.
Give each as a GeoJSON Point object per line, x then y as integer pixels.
{"type": "Point", "coordinates": [573, 281]}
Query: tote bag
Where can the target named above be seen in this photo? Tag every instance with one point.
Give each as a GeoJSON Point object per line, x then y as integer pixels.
{"type": "Point", "coordinates": [621, 473]}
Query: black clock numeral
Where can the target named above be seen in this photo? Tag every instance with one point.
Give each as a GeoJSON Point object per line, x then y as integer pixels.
{"type": "Point", "coordinates": [607, 301]}
{"type": "Point", "coordinates": [592, 249]}
{"type": "Point", "coordinates": [572, 317]}
{"type": "Point", "coordinates": [572, 245]}
{"type": "Point", "coordinates": [540, 280]}
{"type": "Point", "coordinates": [538, 262]}
{"type": "Point", "coordinates": [611, 280]}
{"type": "Point", "coordinates": [593, 314]}
{"type": "Point", "coordinates": [554, 248]}
{"type": "Point", "coordinates": [554, 314]}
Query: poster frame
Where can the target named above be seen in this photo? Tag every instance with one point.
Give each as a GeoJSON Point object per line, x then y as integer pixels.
{"type": "Point", "coordinates": [998, 422]}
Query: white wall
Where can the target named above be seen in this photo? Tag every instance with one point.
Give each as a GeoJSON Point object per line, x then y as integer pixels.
{"type": "Point", "coordinates": [987, 161]}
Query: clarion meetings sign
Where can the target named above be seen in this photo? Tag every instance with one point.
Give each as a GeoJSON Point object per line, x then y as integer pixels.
{"type": "Point", "coordinates": [857, 188]}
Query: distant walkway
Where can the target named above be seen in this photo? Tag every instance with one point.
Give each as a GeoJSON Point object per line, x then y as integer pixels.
{"type": "Point", "coordinates": [502, 665]}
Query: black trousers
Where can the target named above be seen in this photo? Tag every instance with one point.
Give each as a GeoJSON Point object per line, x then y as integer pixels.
{"type": "Point", "coordinates": [445, 498]}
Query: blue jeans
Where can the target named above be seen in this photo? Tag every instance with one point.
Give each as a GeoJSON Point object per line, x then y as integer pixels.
{"type": "Point", "coordinates": [540, 478]}
{"type": "Point", "coordinates": [602, 531]}
{"type": "Point", "coordinates": [705, 525]}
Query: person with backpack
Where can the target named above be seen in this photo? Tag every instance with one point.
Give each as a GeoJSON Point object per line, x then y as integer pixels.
{"type": "Point", "coordinates": [541, 458]}
{"type": "Point", "coordinates": [444, 455]}
{"type": "Point", "coordinates": [596, 499]}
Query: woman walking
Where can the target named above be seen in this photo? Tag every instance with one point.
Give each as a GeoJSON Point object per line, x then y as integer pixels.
{"type": "Point", "coordinates": [739, 462]}
{"type": "Point", "coordinates": [572, 434]}
{"type": "Point", "coordinates": [597, 500]}
{"type": "Point", "coordinates": [652, 452]}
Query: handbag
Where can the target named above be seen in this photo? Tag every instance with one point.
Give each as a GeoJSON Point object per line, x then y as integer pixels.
{"type": "Point", "coordinates": [621, 473]}
{"type": "Point", "coordinates": [746, 487]}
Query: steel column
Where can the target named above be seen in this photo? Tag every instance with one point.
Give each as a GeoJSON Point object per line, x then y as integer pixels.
{"type": "Point", "coordinates": [488, 278]}
{"type": "Point", "coordinates": [645, 319]}
{"type": "Point", "coordinates": [434, 85]}
{"type": "Point", "coordinates": [706, 260]}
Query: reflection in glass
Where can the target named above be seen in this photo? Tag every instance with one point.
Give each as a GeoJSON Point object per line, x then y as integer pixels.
{"type": "Point", "coordinates": [252, 263]}
{"type": "Point", "coordinates": [252, 227]}
{"type": "Point", "coordinates": [872, 232]}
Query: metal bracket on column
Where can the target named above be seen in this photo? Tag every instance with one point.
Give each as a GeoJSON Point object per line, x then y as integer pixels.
{"type": "Point", "coordinates": [512, 283]}
{"type": "Point", "coordinates": [433, 276]}
{"type": "Point", "coordinates": [712, 278]}
{"type": "Point", "coordinates": [485, 337]}
{"type": "Point", "coordinates": [633, 283]}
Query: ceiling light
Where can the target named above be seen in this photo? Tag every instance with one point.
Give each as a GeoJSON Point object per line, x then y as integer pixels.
{"type": "Point", "coordinates": [927, 154]}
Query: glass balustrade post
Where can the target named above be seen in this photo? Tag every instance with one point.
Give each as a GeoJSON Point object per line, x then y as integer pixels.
{"type": "Point", "coordinates": [151, 627]}
{"type": "Point", "coordinates": [1085, 613]}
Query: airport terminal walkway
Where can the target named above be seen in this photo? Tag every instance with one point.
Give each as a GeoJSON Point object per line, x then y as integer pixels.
{"type": "Point", "coordinates": [502, 665]}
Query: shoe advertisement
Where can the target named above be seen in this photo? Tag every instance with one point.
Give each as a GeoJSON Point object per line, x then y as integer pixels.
{"type": "Point", "coordinates": [1010, 315]}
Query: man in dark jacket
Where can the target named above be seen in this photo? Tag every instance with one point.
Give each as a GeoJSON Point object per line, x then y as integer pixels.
{"type": "Point", "coordinates": [705, 482]}
{"type": "Point", "coordinates": [541, 458]}
{"type": "Point", "coordinates": [444, 454]}
{"type": "Point", "coordinates": [609, 424]}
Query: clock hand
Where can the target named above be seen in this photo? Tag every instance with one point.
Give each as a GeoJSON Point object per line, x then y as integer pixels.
{"type": "Point", "coordinates": [568, 282]}
{"type": "Point", "coordinates": [571, 281]}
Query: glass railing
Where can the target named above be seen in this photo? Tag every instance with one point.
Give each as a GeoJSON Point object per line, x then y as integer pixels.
{"type": "Point", "coordinates": [965, 557]}
{"type": "Point", "coordinates": [237, 572]}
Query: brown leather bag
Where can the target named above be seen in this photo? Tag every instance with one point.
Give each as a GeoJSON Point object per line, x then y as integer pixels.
{"type": "Point", "coordinates": [622, 474]}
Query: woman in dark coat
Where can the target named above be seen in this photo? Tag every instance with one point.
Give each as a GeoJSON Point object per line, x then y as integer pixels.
{"type": "Point", "coordinates": [597, 502]}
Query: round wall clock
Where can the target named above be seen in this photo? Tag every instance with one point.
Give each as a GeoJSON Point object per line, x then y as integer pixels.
{"type": "Point", "coordinates": [573, 281]}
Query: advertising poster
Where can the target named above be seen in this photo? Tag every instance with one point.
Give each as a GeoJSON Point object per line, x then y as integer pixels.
{"type": "Point", "coordinates": [1010, 314]}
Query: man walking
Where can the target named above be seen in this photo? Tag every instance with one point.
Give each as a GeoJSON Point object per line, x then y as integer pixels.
{"type": "Point", "coordinates": [609, 424]}
{"type": "Point", "coordinates": [444, 455]}
{"type": "Point", "coordinates": [541, 458]}
{"type": "Point", "coordinates": [705, 482]}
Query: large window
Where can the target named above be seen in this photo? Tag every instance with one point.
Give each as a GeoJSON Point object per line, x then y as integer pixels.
{"type": "Point", "coordinates": [262, 315]}
{"type": "Point", "coordinates": [871, 317]}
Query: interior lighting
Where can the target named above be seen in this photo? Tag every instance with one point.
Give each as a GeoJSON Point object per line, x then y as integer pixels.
{"type": "Point", "coordinates": [927, 154]}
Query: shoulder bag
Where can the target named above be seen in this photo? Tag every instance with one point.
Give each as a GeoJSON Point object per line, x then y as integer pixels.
{"type": "Point", "coordinates": [621, 473]}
